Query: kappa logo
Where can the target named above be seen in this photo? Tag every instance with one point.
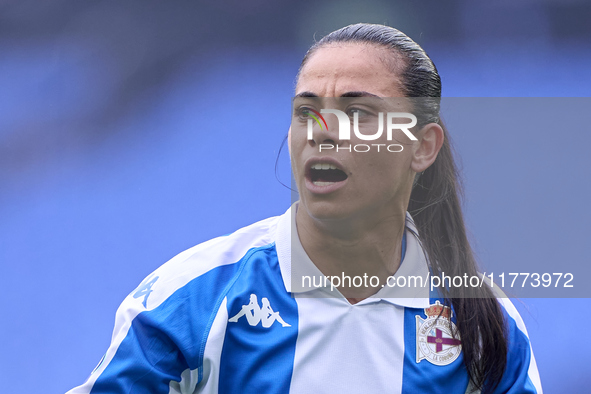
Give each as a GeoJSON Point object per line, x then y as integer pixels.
{"type": "Point", "coordinates": [145, 288]}
{"type": "Point", "coordinates": [435, 342]}
{"type": "Point", "coordinates": [255, 314]}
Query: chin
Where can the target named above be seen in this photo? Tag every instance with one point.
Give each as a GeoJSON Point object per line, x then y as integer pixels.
{"type": "Point", "coordinates": [325, 210]}
{"type": "Point", "coordinates": [332, 211]}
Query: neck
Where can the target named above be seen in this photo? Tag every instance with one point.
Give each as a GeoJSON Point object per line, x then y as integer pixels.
{"type": "Point", "coordinates": [353, 247]}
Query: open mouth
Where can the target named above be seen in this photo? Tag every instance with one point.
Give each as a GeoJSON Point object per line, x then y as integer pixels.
{"type": "Point", "coordinates": [323, 174]}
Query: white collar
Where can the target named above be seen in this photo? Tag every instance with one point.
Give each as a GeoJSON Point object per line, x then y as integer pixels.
{"type": "Point", "coordinates": [290, 249]}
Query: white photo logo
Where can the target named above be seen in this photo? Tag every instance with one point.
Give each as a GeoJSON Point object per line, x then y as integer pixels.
{"type": "Point", "coordinates": [345, 129]}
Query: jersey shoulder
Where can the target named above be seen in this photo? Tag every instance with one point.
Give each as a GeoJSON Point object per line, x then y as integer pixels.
{"type": "Point", "coordinates": [164, 324]}
{"type": "Point", "coordinates": [195, 262]}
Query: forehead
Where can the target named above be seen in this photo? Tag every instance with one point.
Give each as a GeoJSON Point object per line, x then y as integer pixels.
{"type": "Point", "coordinates": [336, 69]}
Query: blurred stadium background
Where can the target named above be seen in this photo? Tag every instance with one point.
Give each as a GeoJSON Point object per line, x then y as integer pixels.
{"type": "Point", "coordinates": [111, 113]}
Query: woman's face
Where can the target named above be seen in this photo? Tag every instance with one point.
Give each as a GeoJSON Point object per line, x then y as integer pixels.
{"type": "Point", "coordinates": [350, 77]}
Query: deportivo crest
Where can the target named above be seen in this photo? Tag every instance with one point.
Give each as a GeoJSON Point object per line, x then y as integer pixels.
{"type": "Point", "coordinates": [435, 342]}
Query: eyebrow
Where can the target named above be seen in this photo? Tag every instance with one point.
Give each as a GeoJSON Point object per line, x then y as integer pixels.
{"type": "Point", "coordinates": [347, 94]}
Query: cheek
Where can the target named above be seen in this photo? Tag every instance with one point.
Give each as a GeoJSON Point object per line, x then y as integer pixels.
{"type": "Point", "coordinates": [384, 168]}
{"type": "Point", "coordinates": [296, 149]}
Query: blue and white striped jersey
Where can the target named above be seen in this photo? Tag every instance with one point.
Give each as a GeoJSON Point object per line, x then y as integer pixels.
{"type": "Point", "coordinates": [223, 317]}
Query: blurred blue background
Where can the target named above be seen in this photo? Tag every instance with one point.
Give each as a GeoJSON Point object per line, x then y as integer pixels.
{"type": "Point", "coordinates": [117, 152]}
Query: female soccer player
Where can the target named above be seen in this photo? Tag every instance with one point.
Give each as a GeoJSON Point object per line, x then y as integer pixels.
{"type": "Point", "coordinates": [196, 326]}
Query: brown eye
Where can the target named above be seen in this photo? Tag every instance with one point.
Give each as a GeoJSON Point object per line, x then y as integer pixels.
{"type": "Point", "coordinates": [303, 113]}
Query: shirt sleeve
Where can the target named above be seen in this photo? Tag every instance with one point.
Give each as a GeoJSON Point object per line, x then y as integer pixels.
{"type": "Point", "coordinates": [161, 330]}
{"type": "Point", "coordinates": [145, 355]}
{"type": "Point", "coordinates": [162, 327]}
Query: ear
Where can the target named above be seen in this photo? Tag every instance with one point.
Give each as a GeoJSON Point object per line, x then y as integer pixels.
{"type": "Point", "coordinates": [427, 147]}
{"type": "Point", "coordinates": [289, 141]}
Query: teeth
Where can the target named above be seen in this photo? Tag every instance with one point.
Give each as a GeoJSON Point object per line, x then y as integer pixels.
{"type": "Point", "coordinates": [318, 183]}
{"type": "Point", "coordinates": [324, 166]}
